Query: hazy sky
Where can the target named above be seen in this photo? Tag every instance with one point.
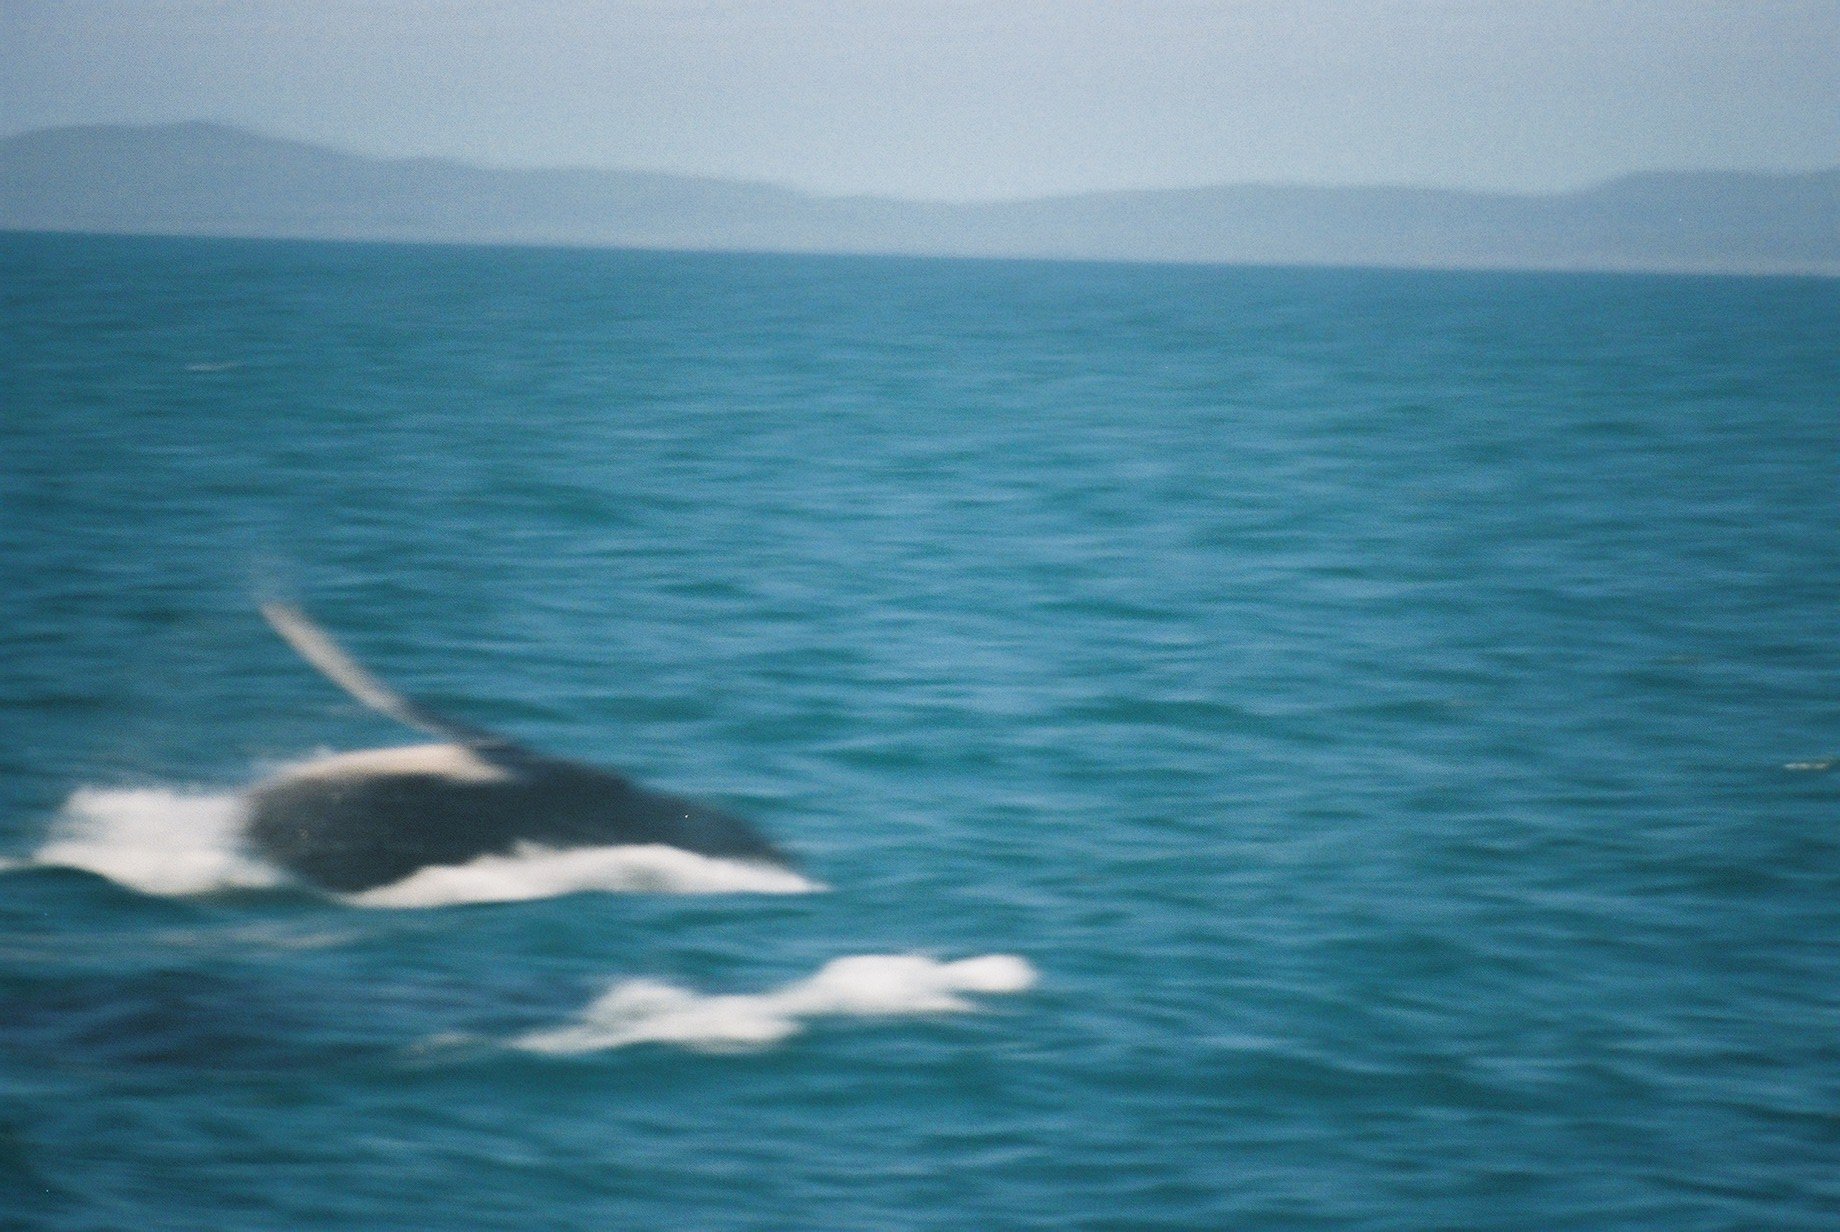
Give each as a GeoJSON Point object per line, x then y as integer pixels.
{"type": "Point", "coordinates": [970, 98]}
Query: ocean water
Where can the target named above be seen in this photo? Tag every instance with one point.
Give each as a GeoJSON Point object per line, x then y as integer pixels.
{"type": "Point", "coordinates": [1265, 749]}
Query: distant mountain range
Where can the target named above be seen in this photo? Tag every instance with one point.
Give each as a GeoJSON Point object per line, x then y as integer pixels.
{"type": "Point", "coordinates": [209, 179]}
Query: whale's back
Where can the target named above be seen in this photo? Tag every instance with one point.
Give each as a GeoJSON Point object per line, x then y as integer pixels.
{"type": "Point", "coordinates": [360, 820]}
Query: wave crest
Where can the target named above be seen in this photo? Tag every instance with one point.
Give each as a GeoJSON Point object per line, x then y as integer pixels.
{"type": "Point", "coordinates": [864, 985]}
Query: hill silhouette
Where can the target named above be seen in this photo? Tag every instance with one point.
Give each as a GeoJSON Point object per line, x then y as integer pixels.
{"type": "Point", "coordinates": [211, 179]}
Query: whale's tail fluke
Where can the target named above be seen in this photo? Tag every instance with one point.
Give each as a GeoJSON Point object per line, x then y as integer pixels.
{"type": "Point", "coordinates": [316, 646]}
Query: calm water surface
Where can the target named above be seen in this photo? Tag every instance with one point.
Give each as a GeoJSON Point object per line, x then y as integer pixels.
{"type": "Point", "coordinates": [1368, 734]}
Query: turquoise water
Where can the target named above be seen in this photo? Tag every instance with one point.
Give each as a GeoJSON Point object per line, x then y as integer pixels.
{"type": "Point", "coordinates": [1364, 737]}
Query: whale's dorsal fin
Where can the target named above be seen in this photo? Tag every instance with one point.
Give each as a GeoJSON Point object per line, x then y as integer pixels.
{"type": "Point", "coordinates": [316, 646]}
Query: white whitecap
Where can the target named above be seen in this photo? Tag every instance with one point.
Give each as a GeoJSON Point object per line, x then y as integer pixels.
{"type": "Point", "coordinates": [540, 872]}
{"type": "Point", "coordinates": [157, 841]}
{"type": "Point", "coordinates": [864, 985]}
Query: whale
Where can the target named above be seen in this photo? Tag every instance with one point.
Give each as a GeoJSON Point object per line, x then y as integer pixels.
{"type": "Point", "coordinates": [350, 822]}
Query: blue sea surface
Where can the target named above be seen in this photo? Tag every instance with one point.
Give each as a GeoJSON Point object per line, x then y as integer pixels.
{"type": "Point", "coordinates": [1366, 740]}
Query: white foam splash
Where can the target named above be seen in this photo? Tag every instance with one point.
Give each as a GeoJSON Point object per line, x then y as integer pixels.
{"type": "Point", "coordinates": [540, 872]}
{"type": "Point", "coordinates": [864, 985]}
{"type": "Point", "coordinates": [157, 841]}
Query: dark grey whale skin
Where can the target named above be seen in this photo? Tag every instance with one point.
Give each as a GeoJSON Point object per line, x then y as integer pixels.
{"type": "Point", "coordinates": [356, 831]}
{"type": "Point", "coordinates": [356, 821]}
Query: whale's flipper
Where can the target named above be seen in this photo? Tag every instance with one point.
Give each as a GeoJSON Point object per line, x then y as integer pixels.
{"type": "Point", "coordinates": [318, 648]}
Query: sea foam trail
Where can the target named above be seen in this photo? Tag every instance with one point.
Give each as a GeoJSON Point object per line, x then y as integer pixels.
{"type": "Point", "coordinates": [166, 842]}
{"type": "Point", "coordinates": [862, 986]}
{"type": "Point", "coordinates": [539, 872]}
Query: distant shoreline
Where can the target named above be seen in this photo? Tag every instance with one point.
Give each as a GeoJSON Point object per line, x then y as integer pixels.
{"type": "Point", "coordinates": [1761, 275]}
{"type": "Point", "coordinates": [212, 181]}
